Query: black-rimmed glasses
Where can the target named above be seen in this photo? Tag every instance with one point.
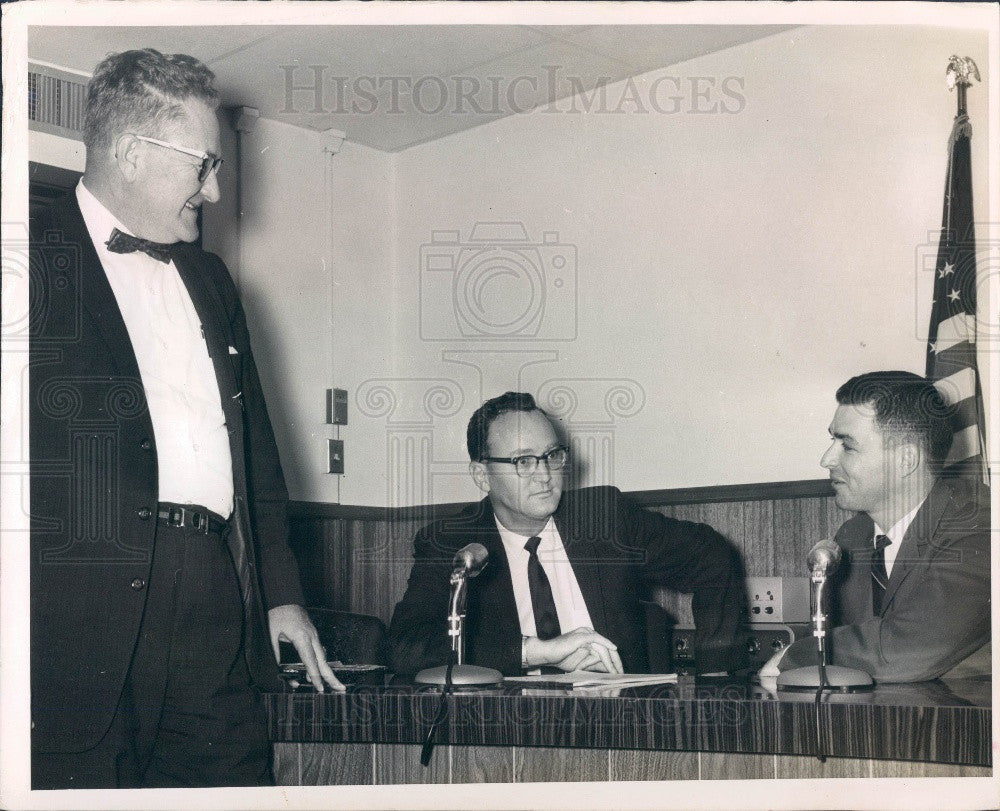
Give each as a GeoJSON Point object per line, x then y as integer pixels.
{"type": "Point", "coordinates": [527, 464]}
{"type": "Point", "coordinates": [209, 163]}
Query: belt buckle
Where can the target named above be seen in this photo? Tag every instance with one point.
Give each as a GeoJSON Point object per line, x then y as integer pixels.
{"type": "Point", "coordinates": [175, 516]}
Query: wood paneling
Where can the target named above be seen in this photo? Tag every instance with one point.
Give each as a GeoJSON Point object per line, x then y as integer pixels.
{"type": "Point", "coordinates": [482, 764]}
{"type": "Point", "coordinates": [764, 491]}
{"type": "Point", "coordinates": [900, 768]}
{"type": "Point", "coordinates": [728, 766]}
{"type": "Point", "coordinates": [553, 765]}
{"type": "Point", "coordinates": [353, 765]}
{"type": "Point", "coordinates": [396, 764]}
{"type": "Point", "coordinates": [286, 764]}
{"type": "Point", "coordinates": [895, 721]}
{"type": "Point", "coordinates": [342, 764]}
{"type": "Point", "coordinates": [358, 558]}
{"type": "Point", "coordinates": [631, 764]}
{"type": "Point", "coordinates": [797, 766]}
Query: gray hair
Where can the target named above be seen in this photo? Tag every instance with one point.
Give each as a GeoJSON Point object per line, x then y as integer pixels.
{"type": "Point", "coordinates": [142, 91]}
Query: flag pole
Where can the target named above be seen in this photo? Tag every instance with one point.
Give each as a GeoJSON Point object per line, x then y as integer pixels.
{"type": "Point", "coordinates": [951, 360]}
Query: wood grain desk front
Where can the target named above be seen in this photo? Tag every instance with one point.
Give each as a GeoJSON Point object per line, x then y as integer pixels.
{"type": "Point", "coordinates": [372, 734]}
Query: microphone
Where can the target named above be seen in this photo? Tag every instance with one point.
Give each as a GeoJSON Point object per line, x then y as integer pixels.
{"type": "Point", "coordinates": [824, 558]}
{"type": "Point", "coordinates": [470, 560]}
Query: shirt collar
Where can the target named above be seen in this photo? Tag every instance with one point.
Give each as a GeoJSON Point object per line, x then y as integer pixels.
{"type": "Point", "coordinates": [898, 530]}
{"type": "Point", "coordinates": [514, 542]}
{"type": "Point", "coordinates": [100, 222]}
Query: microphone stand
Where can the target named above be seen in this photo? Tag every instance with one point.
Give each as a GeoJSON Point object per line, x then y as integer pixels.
{"type": "Point", "coordinates": [457, 673]}
{"type": "Point", "coordinates": [456, 613]}
{"type": "Point", "coordinates": [822, 676]}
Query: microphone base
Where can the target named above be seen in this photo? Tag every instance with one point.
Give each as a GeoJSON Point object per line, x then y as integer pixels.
{"type": "Point", "coordinates": [840, 679]}
{"type": "Point", "coordinates": [461, 676]}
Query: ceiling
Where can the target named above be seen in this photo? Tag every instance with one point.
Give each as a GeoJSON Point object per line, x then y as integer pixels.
{"type": "Point", "coordinates": [391, 87]}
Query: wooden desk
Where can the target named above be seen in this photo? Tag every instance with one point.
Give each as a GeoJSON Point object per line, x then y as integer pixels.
{"type": "Point", "coordinates": [372, 735]}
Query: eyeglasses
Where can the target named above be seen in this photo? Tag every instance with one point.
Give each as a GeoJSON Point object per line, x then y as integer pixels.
{"type": "Point", "coordinates": [526, 465]}
{"type": "Point", "coordinates": [209, 163]}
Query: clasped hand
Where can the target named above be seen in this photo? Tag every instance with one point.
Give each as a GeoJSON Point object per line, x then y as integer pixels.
{"type": "Point", "coordinates": [579, 649]}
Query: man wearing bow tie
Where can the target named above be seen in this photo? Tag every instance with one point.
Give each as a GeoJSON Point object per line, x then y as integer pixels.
{"type": "Point", "coordinates": [161, 577]}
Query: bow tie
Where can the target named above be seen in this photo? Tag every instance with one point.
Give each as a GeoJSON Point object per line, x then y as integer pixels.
{"type": "Point", "coordinates": [126, 243]}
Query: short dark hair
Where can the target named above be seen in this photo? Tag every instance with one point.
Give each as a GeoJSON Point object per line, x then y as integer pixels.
{"type": "Point", "coordinates": [142, 90]}
{"type": "Point", "coordinates": [908, 407]}
{"type": "Point", "coordinates": [476, 435]}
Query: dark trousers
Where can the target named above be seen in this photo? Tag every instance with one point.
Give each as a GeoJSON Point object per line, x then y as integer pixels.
{"type": "Point", "coordinates": [189, 714]}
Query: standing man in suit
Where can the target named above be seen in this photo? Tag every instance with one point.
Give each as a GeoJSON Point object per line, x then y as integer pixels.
{"type": "Point", "coordinates": [911, 597]}
{"type": "Point", "coordinates": [566, 570]}
{"type": "Point", "coordinates": [161, 577]}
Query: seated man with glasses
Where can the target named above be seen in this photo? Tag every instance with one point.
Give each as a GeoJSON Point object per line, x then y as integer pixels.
{"type": "Point", "coordinates": [566, 570]}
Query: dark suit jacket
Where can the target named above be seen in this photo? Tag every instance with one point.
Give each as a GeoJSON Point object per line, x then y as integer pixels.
{"type": "Point", "coordinates": [94, 478]}
{"type": "Point", "coordinates": [616, 550]}
{"type": "Point", "coordinates": [936, 609]}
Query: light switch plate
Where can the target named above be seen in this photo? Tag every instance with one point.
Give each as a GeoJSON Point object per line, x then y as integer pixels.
{"type": "Point", "coordinates": [335, 456]}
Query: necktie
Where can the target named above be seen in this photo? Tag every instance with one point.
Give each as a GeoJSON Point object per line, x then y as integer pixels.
{"type": "Point", "coordinates": [880, 576]}
{"type": "Point", "coordinates": [542, 604]}
{"type": "Point", "coordinates": [120, 242]}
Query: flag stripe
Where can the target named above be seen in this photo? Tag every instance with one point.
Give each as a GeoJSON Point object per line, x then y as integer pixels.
{"type": "Point", "coordinates": [960, 356]}
{"type": "Point", "coordinates": [964, 445]}
{"type": "Point", "coordinates": [955, 330]}
{"type": "Point", "coordinates": [965, 413]}
{"type": "Point", "coordinates": [958, 386]}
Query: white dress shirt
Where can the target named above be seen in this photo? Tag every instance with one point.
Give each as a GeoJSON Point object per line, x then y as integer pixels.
{"type": "Point", "coordinates": [192, 443]}
{"type": "Point", "coordinates": [570, 607]}
{"type": "Point", "coordinates": [895, 535]}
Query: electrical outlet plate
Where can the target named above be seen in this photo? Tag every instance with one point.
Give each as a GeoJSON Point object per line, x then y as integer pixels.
{"type": "Point", "coordinates": [336, 406]}
{"type": "Point", "coordinates": [778, 599]}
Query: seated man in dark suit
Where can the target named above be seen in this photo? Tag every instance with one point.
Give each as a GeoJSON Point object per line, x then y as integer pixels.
{"type": "Point", "coordinates": [911, 598]}
{"type": "Point", "coordinates": [566, 571]}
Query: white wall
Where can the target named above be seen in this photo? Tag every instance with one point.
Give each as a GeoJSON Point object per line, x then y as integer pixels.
{"type": "Point", "coordinates": [55, 150]}
{"type": "Point", "coordinates": [732, 269]}
{"type": "Point", "coordinates": [317, 278]}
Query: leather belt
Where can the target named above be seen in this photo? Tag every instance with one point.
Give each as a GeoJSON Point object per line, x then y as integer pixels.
{"type": "Point", "coordinates": [197, 518]}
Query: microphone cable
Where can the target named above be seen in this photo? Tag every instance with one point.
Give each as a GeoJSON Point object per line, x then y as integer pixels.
{"type": "Point", "coordinates": [824, 683]}
{"type": "Point", "coordinates": [439, 718]}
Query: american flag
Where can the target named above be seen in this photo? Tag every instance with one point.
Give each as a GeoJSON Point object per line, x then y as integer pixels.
{"type": "Point", "coordinates": [951, 350]}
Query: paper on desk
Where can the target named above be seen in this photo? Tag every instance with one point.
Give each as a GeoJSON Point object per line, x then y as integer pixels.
{"type": "Point", "coordinates": [588, 678]}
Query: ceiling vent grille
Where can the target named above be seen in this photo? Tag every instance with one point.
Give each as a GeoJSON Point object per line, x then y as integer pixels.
{"type": "Point", "coordinates": [55, 102]}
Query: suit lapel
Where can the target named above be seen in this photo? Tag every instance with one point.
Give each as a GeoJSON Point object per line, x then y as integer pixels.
{"type": "Point", "coordinates": [95, 293]}
{"type": "Point", "coordinates": [218, 338]}
{"type": "Point", "coordinates": [582, 556]}
{"type": "Point", "coordinates": [210, 312]}
{"type": "Point", "coordinates": [496, 585]}
{"type": "Point", "coordinates": [913, 548]}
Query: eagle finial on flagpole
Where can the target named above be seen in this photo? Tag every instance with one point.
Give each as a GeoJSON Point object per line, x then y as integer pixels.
{"type": "Point", "coordinates": [960, 68]}
{"type": "Point", "coordinates": [959, 74]}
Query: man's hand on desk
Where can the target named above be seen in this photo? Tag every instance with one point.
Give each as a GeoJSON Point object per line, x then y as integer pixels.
{"type": "Point", "coordinates": [580, 649]}
{"type": "Point", "coordinates": [291, 623]}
